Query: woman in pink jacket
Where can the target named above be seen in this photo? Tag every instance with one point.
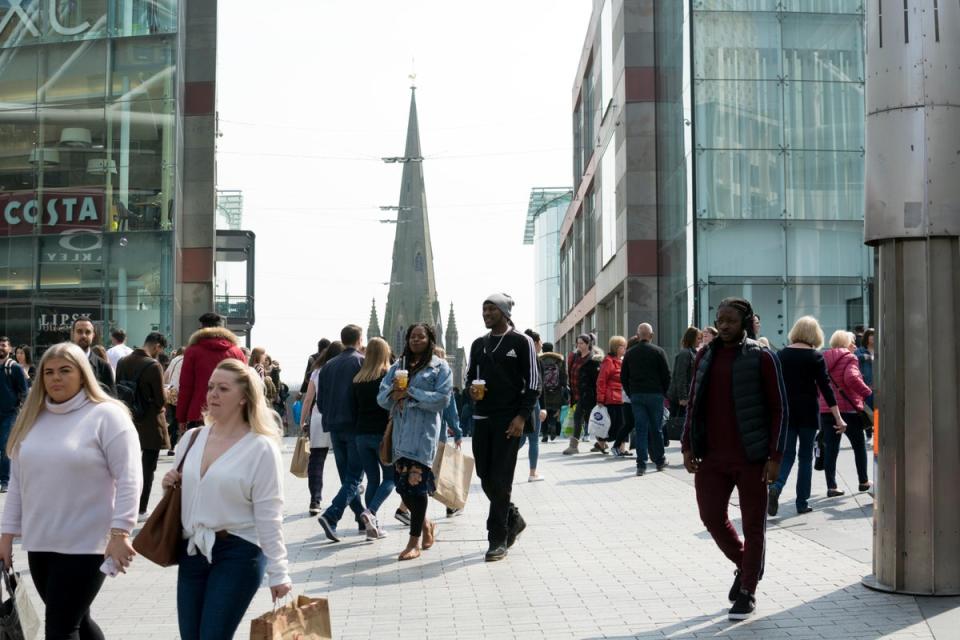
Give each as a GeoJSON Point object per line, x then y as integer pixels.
{"type": "Point", "coordinates": [844, 371]}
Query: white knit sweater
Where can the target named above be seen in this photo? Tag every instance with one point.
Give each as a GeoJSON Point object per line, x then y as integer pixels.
{"type": "Point", "coordinates": [241, 493]}
{"type": "Point", "coordinates": [76, 475]}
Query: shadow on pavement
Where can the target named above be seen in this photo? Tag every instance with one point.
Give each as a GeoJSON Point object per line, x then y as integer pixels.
{"type": "Point", "coordinates": [825, 613]}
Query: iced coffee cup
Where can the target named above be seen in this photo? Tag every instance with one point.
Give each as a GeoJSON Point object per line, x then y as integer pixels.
{"type": "Point", "coordinates": [479, 388]}
{"type": "Point", "coordinates": [401, 378]}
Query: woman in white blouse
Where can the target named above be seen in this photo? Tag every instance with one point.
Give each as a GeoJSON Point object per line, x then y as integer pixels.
{"type": "Point", "coordinates": [232, 507]}
{"type": "Point", "coordinates": [74, 489]}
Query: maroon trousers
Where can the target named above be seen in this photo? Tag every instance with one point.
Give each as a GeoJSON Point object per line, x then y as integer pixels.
{"type": "Point", "coordinates": [715, 482]}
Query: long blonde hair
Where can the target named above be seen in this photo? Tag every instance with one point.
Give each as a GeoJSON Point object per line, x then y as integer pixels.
{"type": "Point", "coordinates": [256, 413]}
{"type": "Point", "coordinates": [376, 361]}
{"type": "Point", "coordinates": [37, 398]}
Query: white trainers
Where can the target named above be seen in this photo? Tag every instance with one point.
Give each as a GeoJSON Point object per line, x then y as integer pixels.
{"type": "Point", "coordinates": [371, 525]}
{"type": "Point", "coordinates": [143, 517]}
{"type": "Point", "coordinates": [536, 478]}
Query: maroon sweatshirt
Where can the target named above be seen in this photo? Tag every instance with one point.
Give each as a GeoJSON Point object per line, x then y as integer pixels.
{"type": "Point", "coordinates": [723, 433]}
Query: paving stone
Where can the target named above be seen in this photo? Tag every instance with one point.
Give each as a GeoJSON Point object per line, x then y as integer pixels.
{"type": "Point", "coordinates": [606, 555]}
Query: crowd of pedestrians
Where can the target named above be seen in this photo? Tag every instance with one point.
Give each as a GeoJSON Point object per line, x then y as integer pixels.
{"type": "Point", "coordinates": [101, 418]}
{"type": "Point", "coordinates": [745, 416]}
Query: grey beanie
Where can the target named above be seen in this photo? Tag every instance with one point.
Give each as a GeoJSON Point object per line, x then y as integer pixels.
{"type": "Point", "coordinates": [502, 301]}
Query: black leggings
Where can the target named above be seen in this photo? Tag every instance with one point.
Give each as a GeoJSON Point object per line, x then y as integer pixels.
{"type": "Point", "coordinates": [617, 431]}
{"type": "Point", "coordinates": [148, 458]}
{"type": "Point", "coordinates": [67, 585]}
{"type": "Point", "coordinates": [581, 415]}
{"type": "Point", "coordinates": [418, 513]}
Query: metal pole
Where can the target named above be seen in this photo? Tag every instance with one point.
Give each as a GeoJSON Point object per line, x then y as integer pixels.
{"type": "Point", "coordinates": [913, 218]}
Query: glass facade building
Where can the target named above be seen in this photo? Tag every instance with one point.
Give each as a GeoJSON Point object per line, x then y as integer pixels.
{"type": "Point", "coordinates": [760, 172]}
{"type": "Point", "coordinates": [544, 215]}
{"type": "Point", "coordinates": [91, 157]}
{"type": "Point", "coordinates": [718, 151]}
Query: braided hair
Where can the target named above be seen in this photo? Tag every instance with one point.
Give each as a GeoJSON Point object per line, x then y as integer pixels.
{"type": "Point", "coordinates": [426, 356]}
{"type": "Point", "coordinates": [746, 313]}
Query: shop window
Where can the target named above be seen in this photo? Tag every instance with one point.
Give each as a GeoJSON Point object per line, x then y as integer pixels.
{"type": "Point", "coordinates": [16, 266]}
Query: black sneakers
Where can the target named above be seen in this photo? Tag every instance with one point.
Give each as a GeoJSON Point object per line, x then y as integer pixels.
{"type": "Point", "coordinates": [314, 508]}
{"type": "Point", "coordinates": [518, 526]}
{"type": "Point", "coordinates": [403, 517]}
{"type": "Point", "coordinates": [744, 607]}
{"type": "Point", "coordinates": [496, 552]}
{"type": "Point", "coordinates": [328, 529]}
{"type": "Point", "coordinates": [735, 588]}
{"type": "Point", "coordinates": [773, 500]}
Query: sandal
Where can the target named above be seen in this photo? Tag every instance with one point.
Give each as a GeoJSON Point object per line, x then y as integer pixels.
{"type": "Point", "coordinates": [409, 554]}
{"type": "Point", "coordinates": [429, 536]}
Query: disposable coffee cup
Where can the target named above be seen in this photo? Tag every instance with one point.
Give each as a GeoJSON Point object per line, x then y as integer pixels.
{"type": "Point", "coordinates": [401, 378]}
{"type": "Point", "coordinates": [479, 388]}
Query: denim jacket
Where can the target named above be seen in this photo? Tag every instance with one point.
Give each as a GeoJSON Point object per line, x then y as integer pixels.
{"type": "Point", "coordinates": [451, 419]}
{"type": "Point", "coordinates": [416, 427]}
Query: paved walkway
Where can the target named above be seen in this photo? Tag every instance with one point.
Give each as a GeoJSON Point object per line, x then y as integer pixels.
{"type": "Point", "coordinates": [606, 555]}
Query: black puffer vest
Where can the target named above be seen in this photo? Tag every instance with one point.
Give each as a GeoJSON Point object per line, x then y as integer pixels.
{"type": "Point", "coordinates": [748, 400]}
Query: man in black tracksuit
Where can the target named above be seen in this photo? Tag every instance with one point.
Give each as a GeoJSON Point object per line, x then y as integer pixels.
{"type": "Point", "coordinates": [506, 361]}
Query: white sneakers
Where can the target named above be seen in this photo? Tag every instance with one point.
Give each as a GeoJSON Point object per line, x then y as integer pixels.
{"type": "Point", "coordinates": [374, 530]}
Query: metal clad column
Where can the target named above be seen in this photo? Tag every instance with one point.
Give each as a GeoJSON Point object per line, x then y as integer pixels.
{"type": "Point", "coordinates": [913, 218]}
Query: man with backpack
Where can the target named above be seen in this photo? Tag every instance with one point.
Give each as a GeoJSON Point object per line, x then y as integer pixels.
{"type": "Point", "coordinates": [555, 391]}
{"type": "Point", "coordinates": [13, 390]}
{"type": "Point", "coordinates": [140, 387]}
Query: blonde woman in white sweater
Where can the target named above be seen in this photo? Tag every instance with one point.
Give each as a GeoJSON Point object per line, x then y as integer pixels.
{"type": "Point", "coordinates": [232, 507]}
{"type": "Point", "coordinates": [75, 485]}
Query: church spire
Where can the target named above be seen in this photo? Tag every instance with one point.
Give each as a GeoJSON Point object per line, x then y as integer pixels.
{"type": "Point", "coordinates": [373, 327]}
{"type": "Point", "coordinates": [413, 293]}
{"type": "Point", "coordinates": [452, 339]}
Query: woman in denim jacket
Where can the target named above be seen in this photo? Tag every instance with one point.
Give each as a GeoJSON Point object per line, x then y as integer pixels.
{"type": "Point", "coordinates": [417, 414]}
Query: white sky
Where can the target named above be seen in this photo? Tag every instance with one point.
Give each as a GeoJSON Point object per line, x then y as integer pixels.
{"type": "Point", "coordinates": [312, 93]}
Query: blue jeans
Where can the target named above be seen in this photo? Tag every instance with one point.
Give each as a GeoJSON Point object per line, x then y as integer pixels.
{"type": "Point", "coordinates": [212, 598]}
{"type": "Point", "coordinates": [379, 477]}
{"type": "Point", "coordinates": [6, 424]}
{"type": "Point", "coordinates": [533, 438]}
{"type": "Point", "coordinates": [805, 436]}
{"type": "Point", "coordinates": [350, 470]}
{"type": "Point", "coordinates": [648, 424]}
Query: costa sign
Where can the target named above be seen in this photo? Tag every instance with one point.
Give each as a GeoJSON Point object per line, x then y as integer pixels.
{"type": "Point", "coordinates": [20, 213]}
{"type": "Point", "coordinates": [52, 14]}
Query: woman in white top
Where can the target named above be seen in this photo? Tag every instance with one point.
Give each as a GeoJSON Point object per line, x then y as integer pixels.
{"type": "Point", "coordinates": [232, 507]}
{"type": "Point", "coordinates": [312, 424]}
{"type": "Point", "coordinates": [74, 489]}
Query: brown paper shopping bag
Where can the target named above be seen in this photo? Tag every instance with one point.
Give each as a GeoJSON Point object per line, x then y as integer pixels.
{"type": "Point", "coordinates": [305, 619]}
{"type": "Point", "coordinates": [301, 456]}
{"type": "Point", "coordinates": [454, 471]}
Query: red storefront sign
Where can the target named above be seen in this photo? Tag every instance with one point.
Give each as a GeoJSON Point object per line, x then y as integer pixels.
{"type": "Point", "coordinates": [60, 210]}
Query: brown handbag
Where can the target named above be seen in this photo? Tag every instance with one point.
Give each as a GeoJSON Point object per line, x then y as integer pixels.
{"type": "Point", "coordinates": [386, 445]}
{"type": "Point", "coordinates": [159, 539]}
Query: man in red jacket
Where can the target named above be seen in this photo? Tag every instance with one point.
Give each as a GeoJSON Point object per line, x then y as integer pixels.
{"type": "Point", "coordinates": [208, 347]}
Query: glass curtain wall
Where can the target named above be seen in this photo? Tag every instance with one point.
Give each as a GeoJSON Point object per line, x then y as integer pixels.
{"type": "Point", "coordinates": [674, 174]}
{"type": "Point", "coordinates": [778, 146]}
{"type": "Point", "coordinates": [546, 267]}
{"type": "Point", "coordinates": [87, 166]}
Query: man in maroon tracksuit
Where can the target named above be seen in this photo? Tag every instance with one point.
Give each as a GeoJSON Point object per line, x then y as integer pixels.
{"type": "Point", "coordinates": [734, 438]}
